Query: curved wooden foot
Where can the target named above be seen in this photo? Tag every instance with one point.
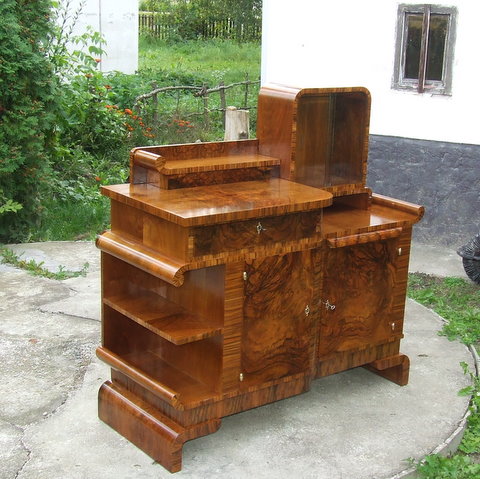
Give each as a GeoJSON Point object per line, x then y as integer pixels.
{"type": "Point", "coordinates": [393, 368]}
{"type": "Point", "coordinates": [155, 434]}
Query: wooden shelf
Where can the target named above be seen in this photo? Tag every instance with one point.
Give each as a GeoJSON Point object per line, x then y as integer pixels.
{"type": "Point", "coordinates": [149, 370]}
{"type": "Point", "coordinates": [164, 318]}
{"type": "Point", "coordinates": [233, 162]}
{"type": "Point", "coordinates": [342, 220]}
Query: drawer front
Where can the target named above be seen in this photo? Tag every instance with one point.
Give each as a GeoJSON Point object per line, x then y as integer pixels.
{"type": "Point", "coordinates": [253, 233]}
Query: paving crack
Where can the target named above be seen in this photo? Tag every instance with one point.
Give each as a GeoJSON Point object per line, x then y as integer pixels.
{"type": "Point", "coordinates": [27, 450]}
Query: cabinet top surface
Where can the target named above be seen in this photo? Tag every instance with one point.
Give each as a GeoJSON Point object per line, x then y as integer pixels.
{"type": "Point", "coordinates": [221, 203]}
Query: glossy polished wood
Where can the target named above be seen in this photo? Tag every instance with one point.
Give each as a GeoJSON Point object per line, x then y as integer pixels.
{"type": "Point", "coordinates": [197, 164]}
{"type": "Point", "coordinates": [237, 272]}
{"type": "Point", "coordinates": [358, 284]}
{"type": "Point", "coordinates": [218, 177]}
{"type": "Point", "coordinates": [320, 134]}
{"type": "Point", "coordinates": [255, 233]}
{"type": "Point", "coordinates": [221, 203]}
{"type": "Point", "coordinates": [146, 427]}
{"type": "Point", "coordinates": [278, 327]}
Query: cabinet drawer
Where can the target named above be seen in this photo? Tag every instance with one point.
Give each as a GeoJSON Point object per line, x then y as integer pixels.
{"type": "Point", "coordinates": [253, 233]}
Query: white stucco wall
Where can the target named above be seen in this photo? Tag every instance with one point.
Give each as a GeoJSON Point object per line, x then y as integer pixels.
{"type": "Point", "coordinates": [352, 43]}
{"type": "Point", "coordinates": [117, 21]}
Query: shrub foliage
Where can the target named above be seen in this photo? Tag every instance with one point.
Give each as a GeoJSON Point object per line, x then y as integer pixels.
{"type": "Point", "coordinates": [194, 19]}
{"type": "Point", "coordinates": [27, 113]}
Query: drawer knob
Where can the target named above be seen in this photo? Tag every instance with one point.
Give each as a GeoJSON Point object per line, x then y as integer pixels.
{"type": "Point", "coordinates": [307, 310]}
{"type": "Point", "coordinates": [260, 228]}
{"type": "Point", "coordinates": [328, 305]}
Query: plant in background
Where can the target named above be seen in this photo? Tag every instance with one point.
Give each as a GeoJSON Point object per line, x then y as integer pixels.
{"type": "Point", "coordinates": [93, 135]}
{"type": "Point", "coordinates": [458, 466]}
{"type": "Point", "coordinates": [471, 439]}
{"type": "Point", "coordinates": [28, 108]}
{"type": "Point", "coordinates": [8, 205]}
{"type": "Point", "coordinates": [37, 269]}
{"type": "Point", "coordinates": [66, 128]}
{"type": "Point", "coordinates": [454, 299]}
{"type": "Point", "coordinates": [441, 467]}
{"type": "Point", "coordinates": [193, 19]}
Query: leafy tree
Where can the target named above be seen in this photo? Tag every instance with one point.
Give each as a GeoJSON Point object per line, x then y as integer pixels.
{"type": "Point", "coordinates": [27, 113]}
{"type": "Point", "coordinates": [189, 16]}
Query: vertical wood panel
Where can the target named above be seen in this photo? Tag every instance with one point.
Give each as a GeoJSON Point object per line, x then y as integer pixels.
{"type": "Point", "coordinates": [232, 329]}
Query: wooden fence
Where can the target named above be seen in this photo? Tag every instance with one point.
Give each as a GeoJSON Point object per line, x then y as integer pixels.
{"type": "Point", "coordinates": [161, 26]}
{"type": "Point", "coordinates": [149, 104]}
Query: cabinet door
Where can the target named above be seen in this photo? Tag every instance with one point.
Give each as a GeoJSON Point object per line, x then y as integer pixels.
{"type": "Point", "coordinates": [277, 327]}
{"type": "Point", "coordinates": [357, 298]}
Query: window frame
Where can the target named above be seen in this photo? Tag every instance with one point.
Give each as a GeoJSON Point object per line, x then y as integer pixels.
{"type": "Point", "coordinates": [421, 84]}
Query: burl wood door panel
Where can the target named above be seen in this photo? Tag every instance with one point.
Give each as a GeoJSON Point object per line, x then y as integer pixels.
{"type": "Point", "coordinates": [277, 328]}
{"type": "Point", "coordinates": [357, 297]}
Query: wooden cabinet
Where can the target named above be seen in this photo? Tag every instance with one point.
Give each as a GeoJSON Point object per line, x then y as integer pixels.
{"type": "Point", "coordinates": [278, 327]}
{"type": "Point", "coordinates": [237, 272]}
{"type": "Point", "coordinates": [357, 297]}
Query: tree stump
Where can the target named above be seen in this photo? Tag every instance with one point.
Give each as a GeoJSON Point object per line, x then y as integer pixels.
{"type": "Point", "coordinates": [237, 124]}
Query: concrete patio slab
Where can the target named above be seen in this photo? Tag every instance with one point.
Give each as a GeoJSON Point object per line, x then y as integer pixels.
{"type": "Point", "coordinates": [353, 425]}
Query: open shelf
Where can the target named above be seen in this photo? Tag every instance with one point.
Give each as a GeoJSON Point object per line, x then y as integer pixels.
{"type": "Point", "coordinates": [183, 375]}
{"type": "Point", "coordinates": [340, 220]}
{"type": "Point", "coordinates": [163, 317]}
{"type": "Point", "coordinates": [233, 162]}
{"type": "Point", "coordinates": [148, 369]}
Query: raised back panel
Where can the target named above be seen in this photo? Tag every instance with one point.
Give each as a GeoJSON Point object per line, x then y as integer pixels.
{"type": "Point", "coordinates": [319, 134]}
{"type": "Point", "coordinates": [274, 124]}
{"type": "Point", "coordinates": [349, 125]}
{"type": "Point", "coordinates": [313, 147]}
{"type": "Point", "coordinates": [331, 138]}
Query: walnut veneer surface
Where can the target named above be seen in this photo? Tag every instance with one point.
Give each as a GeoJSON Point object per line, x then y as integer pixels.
{"type": "Point", "coordinates": [235, 273]}
{"type": "Point", "coordinates": [220, 203]}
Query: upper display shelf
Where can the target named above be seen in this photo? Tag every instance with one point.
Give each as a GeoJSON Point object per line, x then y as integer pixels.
{"type": "Point", "coordinates": [319, 134]}
{"type": "Point", "coordinates": [314, 136]}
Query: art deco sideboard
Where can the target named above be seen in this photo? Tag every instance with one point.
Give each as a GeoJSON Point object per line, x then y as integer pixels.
{"type": "Point", "coordinates": [237, 272]}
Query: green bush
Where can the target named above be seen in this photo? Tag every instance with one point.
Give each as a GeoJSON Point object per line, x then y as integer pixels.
{"type": "Point", "coordinates": [28, 109]}
{"type": "Point", "coordinates": [62, 131]}
{"type": "Point", "coordinates": [455, 467]}
{"type": "Point", "coordinates": [200, 19]}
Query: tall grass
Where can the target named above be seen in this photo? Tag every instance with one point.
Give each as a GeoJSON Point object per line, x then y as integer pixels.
{"type": "Point", "coordinates": [73, 220]}
{"type": "Point", "coordinates": [209, 61]}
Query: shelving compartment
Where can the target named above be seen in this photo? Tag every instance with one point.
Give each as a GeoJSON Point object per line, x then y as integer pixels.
{"type": "Point", "coordinates": [166, 370]}
{"type": "Point", "coordinates": [332, 138]}
{"type": "Point", "coordinates": [167, 339]}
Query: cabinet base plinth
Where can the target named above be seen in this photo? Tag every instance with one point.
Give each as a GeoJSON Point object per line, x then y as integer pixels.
{"type": "Point", "coordinates": [155, 434]}
{"type": "Point", "coordinates": [394, 368]}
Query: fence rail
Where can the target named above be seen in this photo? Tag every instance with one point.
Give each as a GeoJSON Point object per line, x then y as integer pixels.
{"type": "Point", "coordinates": [163, 27]}
{"type": "Point", "coordinates": [148, 104]}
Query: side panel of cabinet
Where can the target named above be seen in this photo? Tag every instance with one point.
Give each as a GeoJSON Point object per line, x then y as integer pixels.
{"type": "Point", "coordinates": [356, 303]}
{"type": "Point", "coordinates": [277, 328]}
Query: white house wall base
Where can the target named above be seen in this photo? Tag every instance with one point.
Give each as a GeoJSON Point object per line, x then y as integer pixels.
{"type": "Point", "coordinates": [443, 176]}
